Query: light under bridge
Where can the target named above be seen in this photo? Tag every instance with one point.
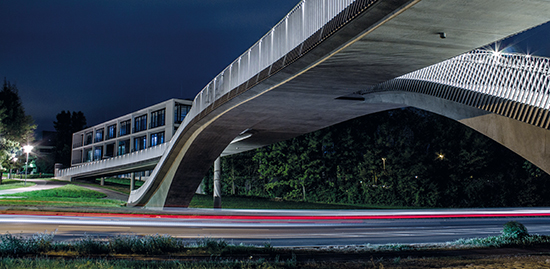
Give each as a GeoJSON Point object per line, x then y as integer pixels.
{"type": "Point", "coordinates": [321, 65]}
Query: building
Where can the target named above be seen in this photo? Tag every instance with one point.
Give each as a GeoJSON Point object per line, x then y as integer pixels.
{"type": "Point", "coordinates": [144, 128]}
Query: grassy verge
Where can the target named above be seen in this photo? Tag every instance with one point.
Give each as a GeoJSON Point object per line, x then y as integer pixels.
{"type": "Point", "coordinates": [68, 195]}
{"type": "Point", "coordinates": [121, 185]}
{"type": "Point", "coordinates": [152, 251]}
{"type": "Point", "coordinates": [8, 184]}
{"type": "Point", "coordinates": [206, 201]}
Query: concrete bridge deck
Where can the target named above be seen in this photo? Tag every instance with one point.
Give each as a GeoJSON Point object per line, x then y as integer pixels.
{"type": "Point", "coordinates": [301, 76]}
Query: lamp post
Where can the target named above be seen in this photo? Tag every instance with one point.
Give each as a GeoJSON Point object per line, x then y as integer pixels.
{"type": "Point", "coordinates": [27, 149]}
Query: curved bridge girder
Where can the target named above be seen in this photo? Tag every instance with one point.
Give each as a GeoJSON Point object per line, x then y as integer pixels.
{"type": "Point", "coordinates": [527, 140]}
{"type": "Point", "coordinates": [370, 42]}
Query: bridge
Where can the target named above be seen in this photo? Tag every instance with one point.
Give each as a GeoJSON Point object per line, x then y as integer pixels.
{"type": "Point", "coordinates": [330, 61]}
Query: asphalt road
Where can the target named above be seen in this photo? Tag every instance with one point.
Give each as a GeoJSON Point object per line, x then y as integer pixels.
{"type": "Point", "coordinates": [286, 228]}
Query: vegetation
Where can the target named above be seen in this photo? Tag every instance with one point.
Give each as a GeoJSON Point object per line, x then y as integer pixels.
{"type": "Point", "coordinates": [404, 157]}
{"type": "Point", "coordinates": [68, 195]}
{"type": "Point", "coordinates": [16, 128]}
{"type": "Point", "coordinates": [153, 251]}
{"type": "Point", "coordinates": [8, 184]}
{"type": "Point", "coordinates": [65, 125]}
{"type": "Point", "coordinates": [15, 125]}
{"type": "Point", "coordinates": [206, 201]}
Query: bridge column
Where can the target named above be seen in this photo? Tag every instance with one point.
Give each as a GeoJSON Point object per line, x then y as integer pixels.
{"type": "Point", "coordinates": [217, 183]}
{"type": "Point", "coordinates": [132, 181]}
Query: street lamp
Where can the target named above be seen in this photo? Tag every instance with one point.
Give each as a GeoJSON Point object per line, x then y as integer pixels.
{"type": "Point", "coordinates": [27, 149]}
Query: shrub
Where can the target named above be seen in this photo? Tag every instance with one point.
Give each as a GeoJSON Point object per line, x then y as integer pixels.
{"type": "Point", "coordinates": [12, 246]}
{"type": "Point", "coordinates": [125, 244]}
{"type": "Point", "coordinates": [514, 230]}
{"type": "Point", "coordinates": [158, 244]}
{"type": "Point", "coordinates": [90, 245]}
{"type": "Point", "coordinates": [212, 245]}
{"type": "Point", "coordinates": [149, 244]}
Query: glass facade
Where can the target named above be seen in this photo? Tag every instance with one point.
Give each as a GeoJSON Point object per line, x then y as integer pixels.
{"type": "Point", "coordinates": [98, 135]}
{"type": "Point", "coordinates": [109, 151]}
{"type": "Point", "coordinates": [140, 123]}
{"type": "Point", "coordinates": [157, 139]}
{"type": "Point", "coordinates": [157, 118]}
{"type": "Point", "coordinates": [180, 112]}
{"type": "Point", "coordinates": [125, 127]}
{"type": "Point", "coordinates": [98, 153]}
{"type": "Point", "coordinates": [88, 155]}
{"type": "Point", "coordinates": [88, 139]}
{"type": "Point", "coordinates": [111, 131]}
{"type": "Point", "coordinates": [123, 147]}
{"type": "Point", "coordinates": [140, 143]}
{"type": "Point", "coordinates": [142, 129]}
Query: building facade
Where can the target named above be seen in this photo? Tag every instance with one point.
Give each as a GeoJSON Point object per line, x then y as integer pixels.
{"type": "Point", "coordinates": [136, 131]}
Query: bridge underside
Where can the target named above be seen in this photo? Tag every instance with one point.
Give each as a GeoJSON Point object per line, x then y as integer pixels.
{"type": "Point", "coordinates": [388, 40]}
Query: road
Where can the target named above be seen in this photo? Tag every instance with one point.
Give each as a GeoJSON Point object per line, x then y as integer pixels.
{"type": "Point", "coordinates": [287, 228]}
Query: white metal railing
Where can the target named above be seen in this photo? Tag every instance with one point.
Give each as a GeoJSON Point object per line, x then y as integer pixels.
{"type": "Point", "coordinates": [517, 77]}
{"type": "Point", "coordinates": [301, 22]}
{"type": "Point", "coordinates": [305, 19]}
{"type": "Point", "coordinates": [126, 159]}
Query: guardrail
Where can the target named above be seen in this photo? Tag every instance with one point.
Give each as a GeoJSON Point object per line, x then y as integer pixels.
{"type": "Point", "coordinates": [305, 22]}
{"type": "Point", "coordinates": [126, 159]}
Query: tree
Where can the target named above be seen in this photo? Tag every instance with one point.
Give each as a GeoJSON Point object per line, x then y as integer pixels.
{"type": "Point", "coordinates": [15, 125]}
{"type": "Point", "coordinates": [8, 151]}
{"type": "Point", "coordinates": [65, 125]}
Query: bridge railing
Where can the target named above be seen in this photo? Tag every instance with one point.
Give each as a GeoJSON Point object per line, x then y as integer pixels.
{"type": "Point", "coordinates": [299, 24]}
{"type": "Point", "coordinates": [126, 159]}
{"type": "Point", "coordinates": [516, 77]}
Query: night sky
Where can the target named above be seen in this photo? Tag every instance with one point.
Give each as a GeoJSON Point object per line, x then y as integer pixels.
{"type": "Point", "coordinates": [108, 58]}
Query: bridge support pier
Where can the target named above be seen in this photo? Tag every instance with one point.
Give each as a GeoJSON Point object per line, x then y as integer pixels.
{"type": "Point", "coordinates": [102, 181]}
{"type": "Point", "coordinates": [133, 181]}
{"type": "Point", "coordinates": [217, 183]}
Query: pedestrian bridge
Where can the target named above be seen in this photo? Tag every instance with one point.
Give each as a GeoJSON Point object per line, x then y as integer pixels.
{"type": "Point", "coordinates": [330, 61]}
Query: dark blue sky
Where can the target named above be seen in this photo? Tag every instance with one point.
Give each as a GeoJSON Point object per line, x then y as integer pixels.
{"type": "Point", "coordinates": [107, 58]}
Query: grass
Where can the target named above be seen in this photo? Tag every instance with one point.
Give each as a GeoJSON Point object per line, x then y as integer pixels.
{"type": "Point", "coordinates": [119, 184]}
{"type": "Point", "coordinates": [236, 202]}
{"type": "Point", "coordinates": [152, 251]}
{"type": "Point", "coordinates": [8, 184]}
{"type": "Point", "coordinates": [77, 196]}
{"type": "Point", "coordinates": [68, 195]}
{"type": "Point", "coordinates": [90, 263]}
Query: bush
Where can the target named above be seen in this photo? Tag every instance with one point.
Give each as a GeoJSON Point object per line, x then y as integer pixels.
{"type": "Point", "coordinates": [514, 230]}
{"type": "Point", "coordinates": [12, 246]}
{"type": "Point", "coordinates": [90, 245]}
{"type": "Point", "coordinates": [149, 244]}
{"type": "Point", "coordinates": [212, 245]}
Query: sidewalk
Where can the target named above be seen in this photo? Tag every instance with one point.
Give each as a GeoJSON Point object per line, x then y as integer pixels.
{"type": "Point", "coordinates": [40, 185]}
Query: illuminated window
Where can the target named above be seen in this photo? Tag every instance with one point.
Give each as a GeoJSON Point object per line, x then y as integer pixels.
{"type": "Point", "coordinates": [140, 123]}
{"type": "Point", "coordinates": [157, 139]}
{"type": "Point", "coordinates": [123, 147]}
{"type": "Point", "coordinates": [88, 155]}
{"type": "Point", "coordinates": [99, 135]}
{"type": "Point", "coordinates": [111, 131]}
{"type": "Point", "coordinates": [157, 118]}
{"type": "Point", "coordinates": [140, 143]}
{"type": "Point", "coordinates": [180, 112]}
{"type": "Point", "coordinates": [98, 153]}
{"type": "Point", "coordinates": [125, 127]}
